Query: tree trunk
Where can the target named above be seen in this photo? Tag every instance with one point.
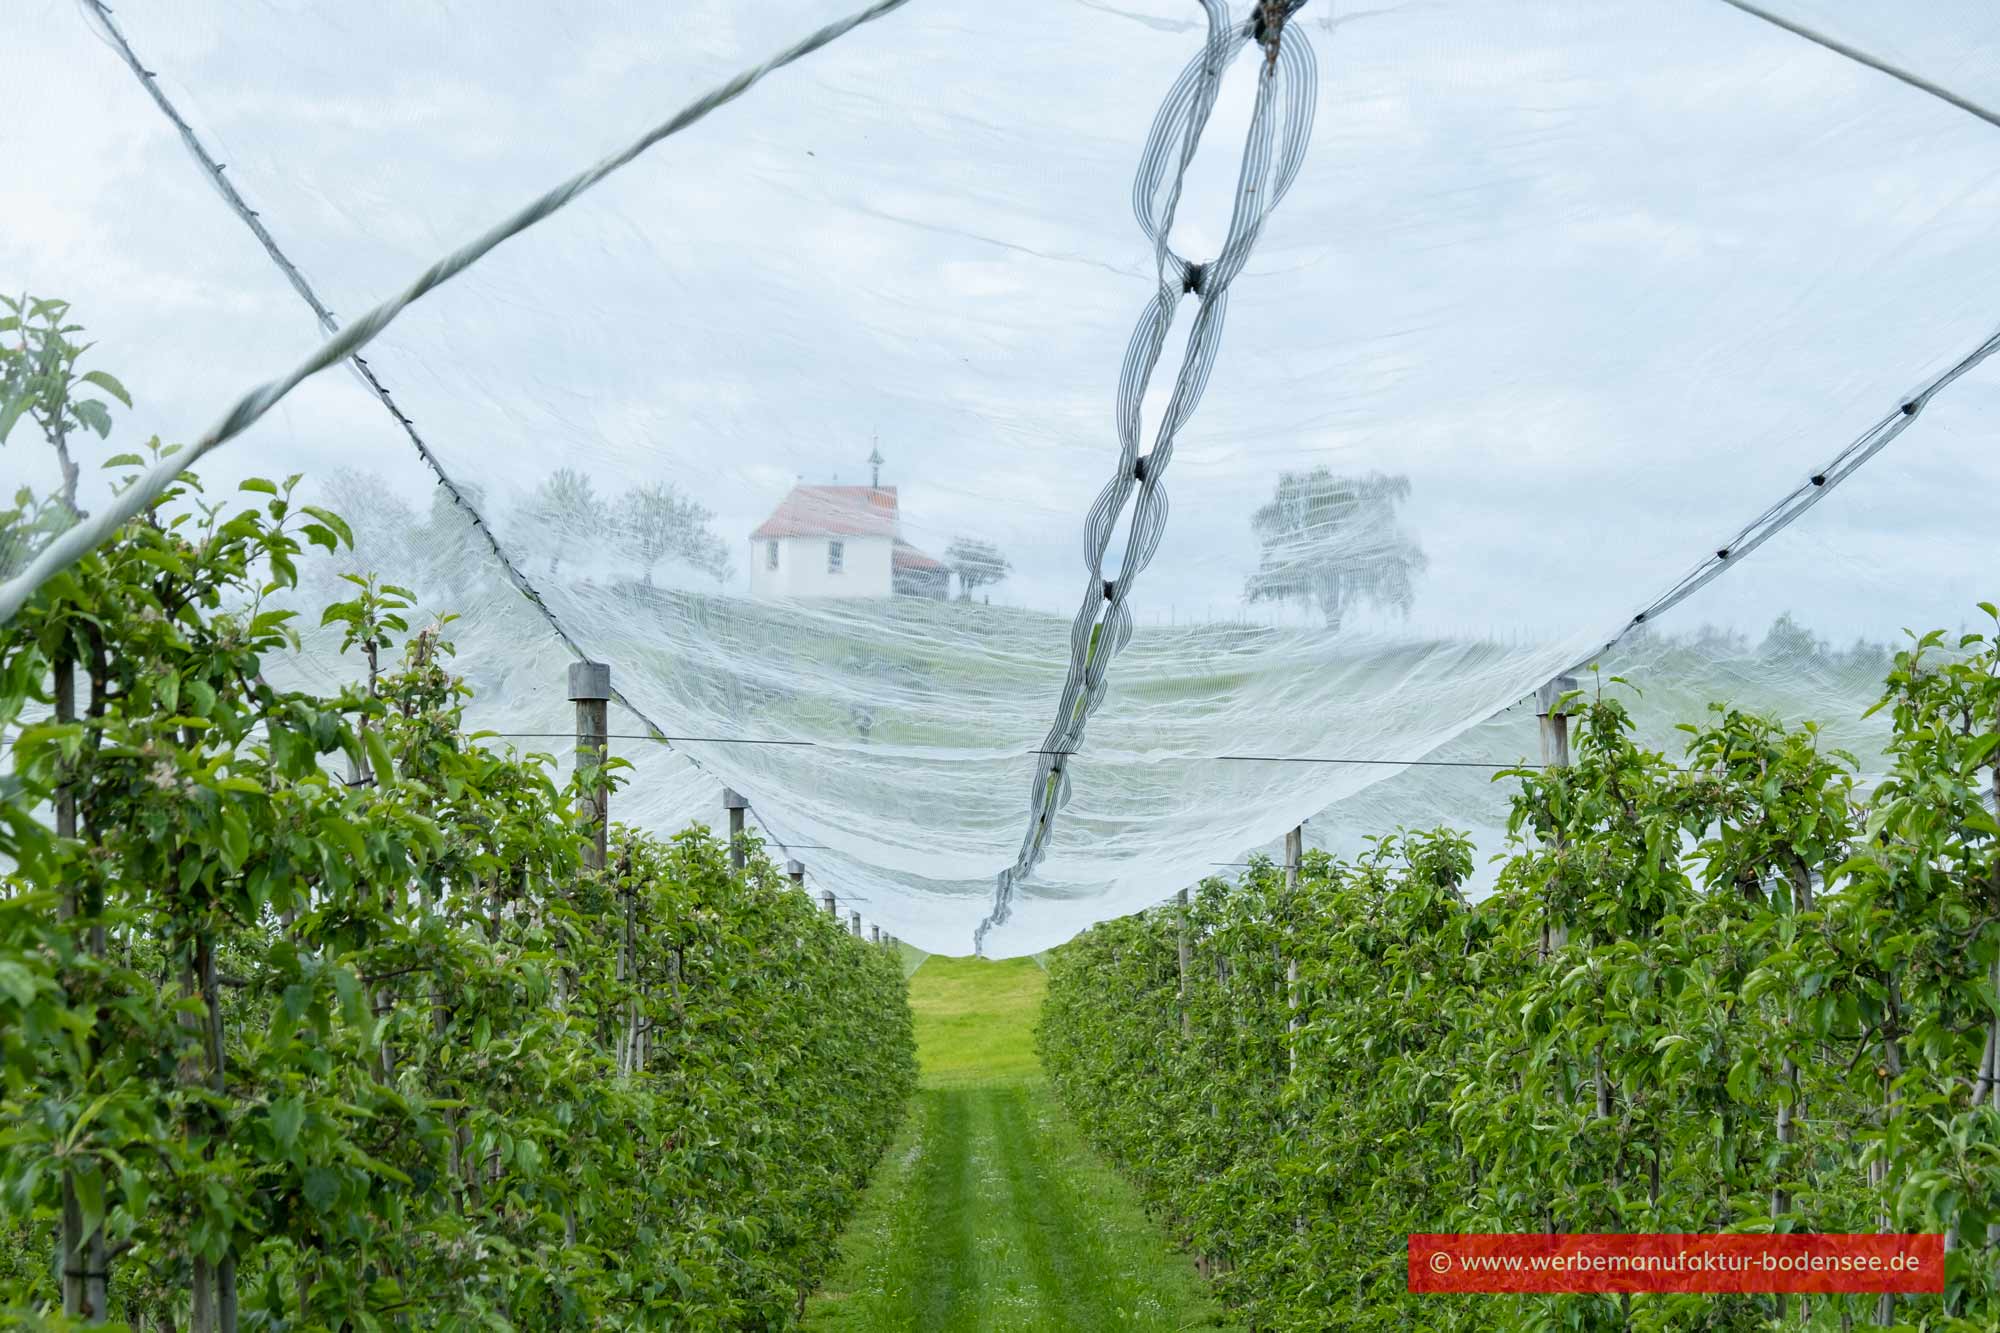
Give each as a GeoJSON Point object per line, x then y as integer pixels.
{"type": "Point", "coordinates": [58, 435]}
{"type": "Point", "coordinates": [225, 1295]}
{"type": "Point", "coordinates": [85, 1282]}
{"type": "Point", "coordinates": [1781, 1199]}
{"type": "Point", "coordinates": [71, 1244]}
{"type": "Point", "coordinates": [1993, 1026]}
{"type": "Point", "coordinates": [630, 1044]}
{"type": "Point", "coordinates": [203, 1320]}
{"type": "Point", "coordinates": [1892, 1065]}
{"type": "Point", "coordinates": [218, 1083]}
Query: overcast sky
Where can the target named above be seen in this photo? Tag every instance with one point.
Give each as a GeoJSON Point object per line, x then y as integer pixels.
{"type": "Point", "coordinates": [1601, 279]}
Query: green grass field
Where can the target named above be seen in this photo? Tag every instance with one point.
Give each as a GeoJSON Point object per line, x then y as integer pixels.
{"type": "Point", "coordinates": [976, 1021]}
{"type": "Point", "coordinates": [989, 1213]}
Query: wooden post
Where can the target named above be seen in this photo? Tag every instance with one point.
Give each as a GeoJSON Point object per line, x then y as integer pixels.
{"type": "Point", "coordinates": [832, 907]}
{"type": "Point", "coordinates": [1553, 723]}
{"type": "Point", "coordinates": [1295, 845]}
{"type": "Point", "coordinates": [590, 688]}
{"type": "Point", "coordinates": [854, 924]}
{"type": "Point", "coordinates": [796, 871]}
{"type": "Point", "coordinates": [874, 934]}
{"type": "Point", "coordinates": [1181, 950]}
{"type": "Point", "coordinates": [735, 804]}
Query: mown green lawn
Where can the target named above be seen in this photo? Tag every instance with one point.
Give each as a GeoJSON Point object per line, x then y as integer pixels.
{"type": "Point", "coordinates": [988, 1211]}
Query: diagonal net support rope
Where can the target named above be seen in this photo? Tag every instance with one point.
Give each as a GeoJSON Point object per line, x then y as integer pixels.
{"type": "Point", "coordinates": [100, 15]}
{"type": "Point", "coordinates": [1874, 62]}
{"type": "Point", "coordinates": [1789, 508]}
{"type": "Point", "coordinates": [70, 546]}
{"type": "Point", "coordinates": [1274, 149]}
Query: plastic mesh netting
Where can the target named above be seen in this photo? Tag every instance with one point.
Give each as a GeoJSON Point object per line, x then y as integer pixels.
{"type": "Point", "coordinates": [803, 420]}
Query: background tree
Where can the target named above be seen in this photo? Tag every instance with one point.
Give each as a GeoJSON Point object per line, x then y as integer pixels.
{"type": "Point", "coordinates": [657, 522]}
{"type": "Point", "coordinates": [564, 506]}
{"type": "Point", "coordinates": [387, 532]}
{"type": "Point", "coordinates": [1789, 640]}
{"type": "Point", "coordinates": [976, 563]}
{"type": "Point", "coordinates": [1333, 542]}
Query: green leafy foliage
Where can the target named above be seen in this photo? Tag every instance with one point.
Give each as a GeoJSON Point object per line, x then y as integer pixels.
{"type": "Point", "coordinates": [39, 380]}
{"type": "Point", "coordinates": [313, 1014]}
{"type": "Point", "coordinates": [1732, 993]}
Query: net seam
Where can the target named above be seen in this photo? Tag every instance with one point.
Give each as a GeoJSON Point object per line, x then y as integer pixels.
{"type": "Point", "coordinates": [1269, 164]}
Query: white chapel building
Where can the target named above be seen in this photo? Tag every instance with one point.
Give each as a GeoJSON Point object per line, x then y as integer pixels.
{"type": "Point", "coordinates": [840, 541]}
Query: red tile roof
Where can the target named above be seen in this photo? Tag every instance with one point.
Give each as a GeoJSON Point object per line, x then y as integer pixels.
{"type": "Point", "coordinates": [843, 511]}
{"type": "Point", "coordinates": [906, 556]}
{"type": "Point", "coordinates": [832, 511]}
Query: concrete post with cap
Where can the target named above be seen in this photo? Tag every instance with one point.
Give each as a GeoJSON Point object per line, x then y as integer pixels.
{"type": "Point", "coordinates": [590, 689]}
{"type": "Point", "coordinates": [735, 804]}
{"type": "Point", "coordinates": [874, 934]}
{"type": "Point", "coordinates": [796, 872]}
{"type": "Point", "coordinates": [854, 924]}
{"type": "Point", "coordinates": [1553, 720]}
{"type": "Point", "coordinates": [826, 899]}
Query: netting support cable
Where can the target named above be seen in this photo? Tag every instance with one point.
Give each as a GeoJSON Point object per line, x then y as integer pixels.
{"type": "Point", "coordinates": [69, 546]}
{"type": "Point", "coordinates": [1860, 57]}
{"type": "Point", "coordinates": [329, 326]}
{"type": "Point", "coordinates": [347, 345]}
{"type": "Point", "coordinates": [1795, 503]}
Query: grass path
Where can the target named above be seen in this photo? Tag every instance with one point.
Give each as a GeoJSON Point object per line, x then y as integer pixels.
{"type": "Point", "coordinates": [989, 1212]}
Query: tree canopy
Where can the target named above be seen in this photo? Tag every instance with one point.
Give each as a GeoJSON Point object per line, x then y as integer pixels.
{"type": "Point", "coordinates": [977, 564]}
{"type": "Point", "coordinates": [1333, 542]}
{"type": "Point", "coordinates": [657, 522]}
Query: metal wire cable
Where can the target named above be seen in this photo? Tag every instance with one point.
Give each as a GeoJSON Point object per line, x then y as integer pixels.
{"type": "Point", "coordinates": [70, 546]}
{"type": "Point", "coordinates": [1338, 759]}
{"type": "Point", "coordinates": [114, 36]}
{"type": "Point", "coordinates": [648, 736]}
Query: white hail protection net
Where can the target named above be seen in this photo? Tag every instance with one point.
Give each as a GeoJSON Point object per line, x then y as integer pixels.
{"type": "Point", "coordinates": [1560, 298]}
